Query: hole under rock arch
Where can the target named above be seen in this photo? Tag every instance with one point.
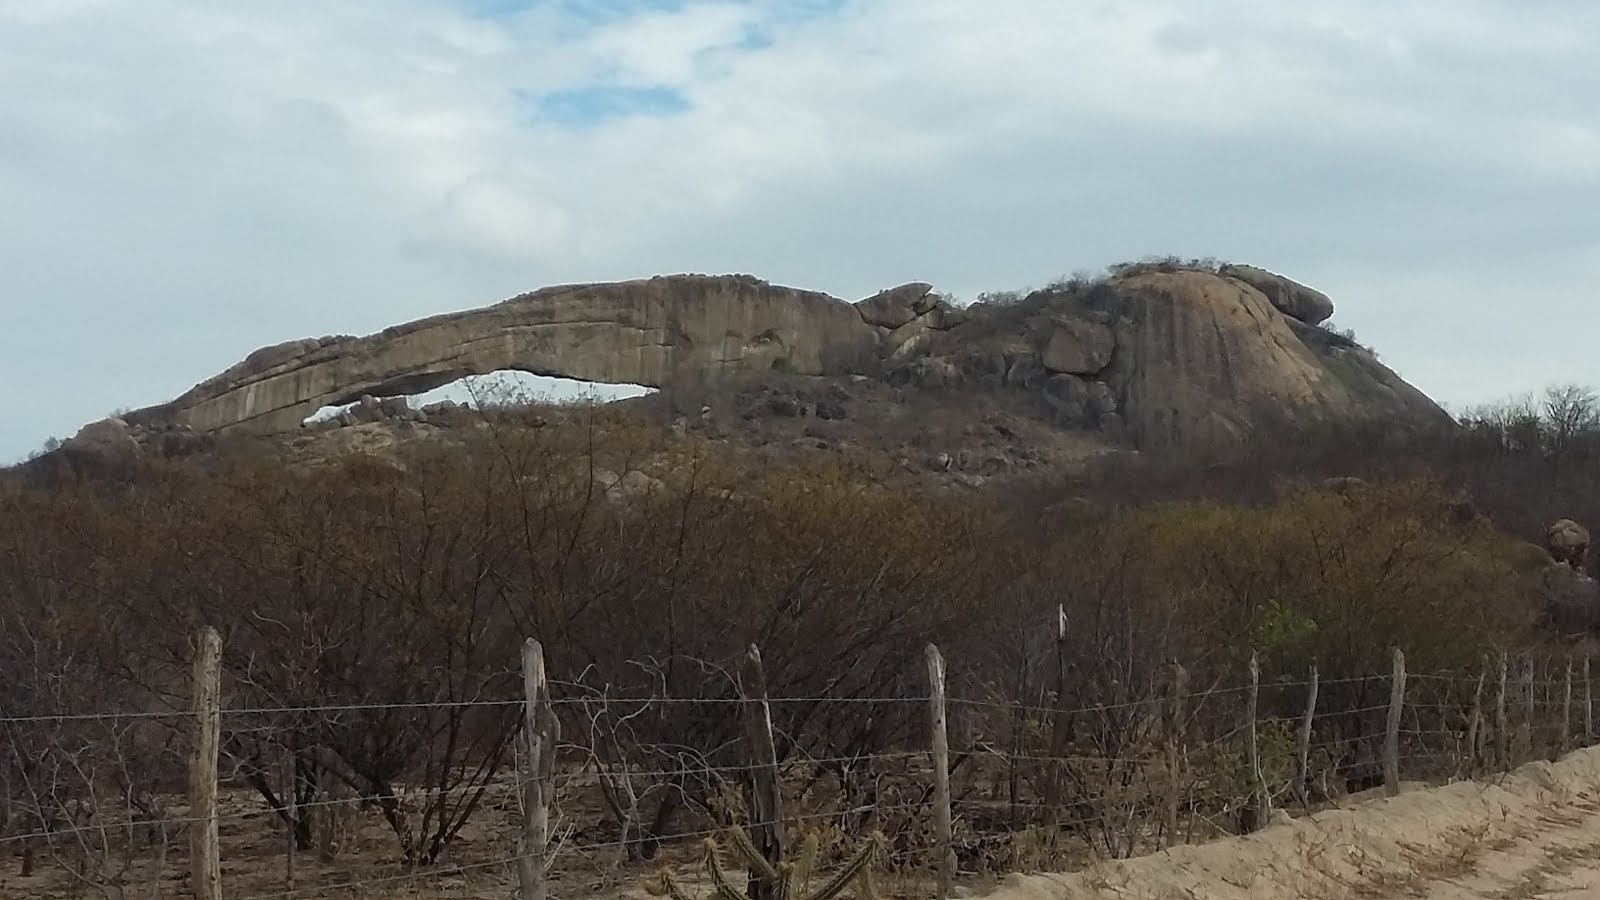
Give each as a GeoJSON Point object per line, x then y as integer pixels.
{"type": "Point", "coordinates": [509, 387]}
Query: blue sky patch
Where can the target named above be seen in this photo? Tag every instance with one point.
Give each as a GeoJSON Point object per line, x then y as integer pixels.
{"type": "Point", "coordinates": [600, 12]}
{"type": "Point", "coordinates": [495, 9]}
{"type": "Point", "coordinates": [591, 12]}
{"type": "Point", "coordinates": [806, 10]}
{"type": "Point", "coordinates": [755, 37]}
{"type": "Point", "coordinates": [596, 104]}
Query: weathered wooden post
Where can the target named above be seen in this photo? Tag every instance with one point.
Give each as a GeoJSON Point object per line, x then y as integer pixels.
{"type": "Point", "coordinates": [1302, 760]}
{"type": "Point", "coordinates": [1502, 722]}
{"type": "Point", "coordinates": [1176, 723]}
{"type": "Point", "coordinates": [541, 733]}
{"type": "Point", "coordinates": [1525, 727]}
{"type": "Point", "coordinates": [1391, 740]}
{"type": "Point", "coordinates": [205, 855]}
{"type": "Point", "coordinates": [1588, 703]}
{"type": "Point", "coordinates": [334, 798]}
{"type": "Point", "coordinates": [766, 794]}
{"type": "Point", "coordinates": [1566, 714]}
{"type": "Point", "coordinates": [1475, 723]}
{"type": "Point", "coordinates": [1060, 724]}
{"type": "Point", "coordinates": [944, 843]}
{"type": "Point", "coordinates": [291, 808]}
{"type": "Point", "coordinates": [1261, 801]}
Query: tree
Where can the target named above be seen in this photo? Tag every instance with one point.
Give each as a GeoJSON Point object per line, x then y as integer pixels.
{"type": "Point", "coordinates": [1571, 411]}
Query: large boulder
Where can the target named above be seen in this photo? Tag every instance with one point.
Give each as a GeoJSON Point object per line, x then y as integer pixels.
{"type": "Point", "coordinates": [106, 439]}
{"type": "Point", "coordinates": [1568, 543]}
{"type": "Point", "coordinates": [1288, 296]}
{"type": "Point", "coordinates": [896, 306]}
{"type": "Point", "coordinates": [1572, 598]}
{"type": "Point", "coordinates": [1078, 347]}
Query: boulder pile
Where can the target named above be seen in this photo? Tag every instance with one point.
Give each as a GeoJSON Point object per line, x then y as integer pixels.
{"type": "Point", "coordinates": [1572, 597]}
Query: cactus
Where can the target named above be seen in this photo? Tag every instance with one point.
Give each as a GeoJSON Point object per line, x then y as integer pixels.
{"type": "Point", "coordinates": [793, 878]}
{"type": "Point", "coordinates": [800, 878]}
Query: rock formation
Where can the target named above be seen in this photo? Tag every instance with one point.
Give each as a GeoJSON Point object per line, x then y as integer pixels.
{"type": "Point", "coordinates": [1568, 543]}
{"type": "Point", "coordinates": [639, 332]}
{"type": "Point", "coordinates": [107, 439]}
{"type": "Point", "coordinates": [1290, 298]}
{"type": "Point", "coordinates": [1175, 358]}
{"type": "Point", "coordinates": [1152, 357]}
{"type": "Point", "coordinates": [1572, 598]}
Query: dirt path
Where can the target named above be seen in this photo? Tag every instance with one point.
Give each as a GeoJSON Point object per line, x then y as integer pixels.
{"type": "Point", "coordinates": [1531, 835]}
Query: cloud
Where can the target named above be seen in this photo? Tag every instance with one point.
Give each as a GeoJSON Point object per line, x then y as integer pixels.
{"type": "Point", "coordinates": [189, 181]}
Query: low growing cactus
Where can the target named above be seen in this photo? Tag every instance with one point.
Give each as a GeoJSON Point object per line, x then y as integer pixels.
{"type": "Point", "coordinates": [792, 877]}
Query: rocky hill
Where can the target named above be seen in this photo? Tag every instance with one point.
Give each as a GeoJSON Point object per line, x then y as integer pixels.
{"type": "Point", "coordinates": [1154, 355]}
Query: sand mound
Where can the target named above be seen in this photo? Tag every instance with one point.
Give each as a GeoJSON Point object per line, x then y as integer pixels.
{"type": "Point", "coordinates": [1533, 833]}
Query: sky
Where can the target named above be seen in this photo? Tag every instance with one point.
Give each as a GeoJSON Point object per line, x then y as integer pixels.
{"type": "Point", "coordinates": [183, 181]}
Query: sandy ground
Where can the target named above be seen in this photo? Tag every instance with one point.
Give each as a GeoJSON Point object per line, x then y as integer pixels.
{"type": "Point", "coordinates": [1533, 834]}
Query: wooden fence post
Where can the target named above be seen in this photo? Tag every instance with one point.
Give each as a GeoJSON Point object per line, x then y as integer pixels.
{"type": "Point", "coordinates": [1502, 722]}
{"type": "Point", "coordinates": [1176, 722]}
{"type": "Point", "coordinates": [1302, 761]}
{"type": "Point", "coordinates": [205, 856]}
{"type": "Point", "coordinates": [291, 807]}
{"type": "Point", "coordinates": [1391, 740]}
{"type": "Point", "coordinates": [1060, 724]}
{"type": "Point", "coordinates": [766, 794]}
{"type": "Point", "coordinates": [1261, 801]}
{"type": "Point", "coordinates": [334, 798]}
{"type": "Point", "coordinates": [1525, 727]}
{"type": "Point", "coordinates": [1566, 714]}
{"type": "Point", "coordinates": [944, 843]}
{"type": "Point", "coordinates": [541, 733]}
{"type": "Point", "coordinates": [1475, 724]}
{"type": "Point", "coordinates": [1588, 703]}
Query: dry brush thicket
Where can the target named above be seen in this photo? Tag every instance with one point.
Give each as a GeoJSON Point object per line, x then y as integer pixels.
{"type": "Point", "coordinates": [372, 611]}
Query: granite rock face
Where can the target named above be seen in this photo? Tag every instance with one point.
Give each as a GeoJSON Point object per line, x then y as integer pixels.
{"type": "Point", "coordinates": [1148, 358]}
{"type": "Point", "coordinates": [638, 332]}
{"type": "Point", "coordinates": [1202, 357]}
{"type": "Point", "coordinates": [1176, 358]}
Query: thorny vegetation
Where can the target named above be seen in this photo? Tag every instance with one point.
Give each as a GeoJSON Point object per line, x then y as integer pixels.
{"type": "Point", "coordinates": [375, 606]}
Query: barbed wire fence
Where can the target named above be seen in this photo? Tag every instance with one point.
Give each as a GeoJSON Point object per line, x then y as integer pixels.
{"type": "Point", "coordinates": [574, 789]}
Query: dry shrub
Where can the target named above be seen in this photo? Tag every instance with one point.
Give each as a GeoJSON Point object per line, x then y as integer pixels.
{"type": "Point", "coordinates": [403, 585]}
{"type": "Point", "coordinates": [1335, 574]}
